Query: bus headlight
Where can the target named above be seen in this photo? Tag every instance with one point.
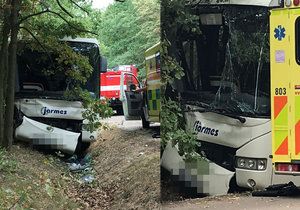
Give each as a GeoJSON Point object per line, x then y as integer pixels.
{"type": "Point", "coordinates": [241, 162]}
{"type": "Point", "coordinates": [251, 163]}
{"type": "Point", "coordinates": [261, 165]}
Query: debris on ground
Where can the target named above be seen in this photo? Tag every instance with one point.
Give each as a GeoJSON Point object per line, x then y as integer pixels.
{"type": "Point", "coordinates": [87, 178]}
{"type": "Point", "coordinates": [289, 189]}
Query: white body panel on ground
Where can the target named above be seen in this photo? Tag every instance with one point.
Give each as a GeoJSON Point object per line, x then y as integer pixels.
{"type": "Point", "coordinates": [204, 175]}
{"type": "Point", "coordinates": [42, 134]}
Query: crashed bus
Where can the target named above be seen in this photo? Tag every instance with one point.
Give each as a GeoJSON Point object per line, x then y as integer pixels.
{"type": "Point", "coordinates": [226, 93]}
{"type": "Point", "coordinates": [43, 116]}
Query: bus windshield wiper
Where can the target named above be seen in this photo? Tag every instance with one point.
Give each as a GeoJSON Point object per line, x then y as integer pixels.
{"type": "Point", "coordinates": [203, 107]}
{"type": "Point", "coordinates": [225, 112]}
{"type": "Point", "coordinates": [218, 111]}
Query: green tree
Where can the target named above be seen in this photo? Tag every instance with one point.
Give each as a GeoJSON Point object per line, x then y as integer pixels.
{"type": "Point", "coordinates": [127, 29]}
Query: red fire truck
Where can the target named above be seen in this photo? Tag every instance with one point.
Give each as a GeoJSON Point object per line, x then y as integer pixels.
{"type": "Point", "coordinates": [110, 85]}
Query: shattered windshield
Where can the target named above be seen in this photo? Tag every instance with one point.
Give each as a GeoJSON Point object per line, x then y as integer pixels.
{"type": "Point", "coordinates": [32, 66]}
{"type": "Point", "coordinates": [227, 64]}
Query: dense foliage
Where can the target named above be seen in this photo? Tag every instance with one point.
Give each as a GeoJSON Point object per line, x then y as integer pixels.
{"type": "Point", "coordinates": [176, 18]}
{"type": "Point", "coordinates": [127, 29]}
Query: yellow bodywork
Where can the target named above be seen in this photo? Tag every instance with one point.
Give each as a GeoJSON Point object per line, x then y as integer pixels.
{"type": "Point", "coordinates": [153, 99]}
{"type": "Point", "coordinates": [285, 85]}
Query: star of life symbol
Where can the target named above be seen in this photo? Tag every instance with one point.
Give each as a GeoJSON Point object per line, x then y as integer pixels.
{"type": "Point", "coordinates": [279, 33]}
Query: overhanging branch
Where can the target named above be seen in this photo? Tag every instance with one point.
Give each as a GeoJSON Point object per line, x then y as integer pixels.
{"type": "Point", "coordinates": [64, 9]}
{"type": "Point", "coordinates": [80, 7]}
{"type": "Point", "coordinates": [33, 15]}
{"type": "Point", "coordinates": [71, 25]}
{"type": "Point", "coordinates": [61, 17]}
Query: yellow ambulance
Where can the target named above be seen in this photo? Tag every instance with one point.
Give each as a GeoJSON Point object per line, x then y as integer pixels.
{"type": "Point", "coordinates": [143, 102]}
{"type": "Point", "coordinates": [285, 86]}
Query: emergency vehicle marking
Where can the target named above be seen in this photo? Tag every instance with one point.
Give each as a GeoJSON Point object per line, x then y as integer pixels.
{"type": "Point", "coordinates": [297, 125]}
{"type": "Point", "coordinates": [279, 33]}
{"type": "Point", "coordinates": [281, 121]}
{"type": "Point", "coordinates": [283, 148]}
{"type": "Point", "coordinates": [279, 56]}
{"type": "Point", "coordinates": [153, 99]}
{"type": "Point", "coordinates": [153, 83]}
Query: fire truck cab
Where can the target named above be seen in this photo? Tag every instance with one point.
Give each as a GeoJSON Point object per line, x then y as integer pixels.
{"type": "Point", "coordinates": [110, 85]}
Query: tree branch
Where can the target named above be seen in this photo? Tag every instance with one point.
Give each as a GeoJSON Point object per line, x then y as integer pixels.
{"type": "Point", "coordinates": [80, 7]}
{"type": "Point", "coordinates": [64, 9]}
{"type": "Point", "coordinates": [71, 25]}
{"type": "Point", "coordinates": [59, 15]}
{"type": "Point", "coordinates": [32, 15]}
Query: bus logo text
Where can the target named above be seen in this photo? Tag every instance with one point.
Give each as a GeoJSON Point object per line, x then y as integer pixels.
{"type": "Point", "coordinates": [199, 128]}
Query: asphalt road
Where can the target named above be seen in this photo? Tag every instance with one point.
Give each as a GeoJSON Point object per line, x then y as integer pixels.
{"type": "Point", "coordinates": [236, 202]}
{"type": "Point", "coordinates": [129, 125]}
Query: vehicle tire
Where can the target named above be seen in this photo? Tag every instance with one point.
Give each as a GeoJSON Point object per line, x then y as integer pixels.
{"type": "Point", "coordinates": [145, 123]}
{"type": "Point", "coordinates": [234, 188]}
{"type": "Point", "coordinates": [82, 148]}
{"type": "Point", "coordinates": [120, 110]}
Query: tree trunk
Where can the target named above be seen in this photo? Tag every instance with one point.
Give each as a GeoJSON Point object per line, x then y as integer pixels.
{"type": "Point", "coordinates": [4, 69]}
{"type": "Point", "coordinates": [12, 63]}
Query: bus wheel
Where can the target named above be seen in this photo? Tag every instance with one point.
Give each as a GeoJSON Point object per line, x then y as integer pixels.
{"type": "Point", "coordinates": [145, 123]}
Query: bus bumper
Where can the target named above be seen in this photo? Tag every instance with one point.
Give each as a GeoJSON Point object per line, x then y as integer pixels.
{"type": "Point", "coordinates": [45, 135]}
{"type": "Point", "coordinates": [207, 177]}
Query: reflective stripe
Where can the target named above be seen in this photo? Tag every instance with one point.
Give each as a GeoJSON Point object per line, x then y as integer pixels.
{"type": "Point", "coordinates": [111, 87]}
{"type": "Point", "coordinates": [280, 125]}
{"type": "Point", "coordinates": [150, 57]}
{"type": "Point", "coordinates": [283, 147]}
{"type": "Point", "coordinates": [297, 125]}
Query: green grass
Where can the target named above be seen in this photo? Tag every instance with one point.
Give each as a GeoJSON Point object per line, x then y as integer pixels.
{"type": "Point", "coordinates": [30, 180]}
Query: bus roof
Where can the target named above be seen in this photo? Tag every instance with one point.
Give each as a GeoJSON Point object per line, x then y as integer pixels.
{"type": "Point", "coordinates": [86, 40]}
{"type": "Point", "coordinates": [264, 3]}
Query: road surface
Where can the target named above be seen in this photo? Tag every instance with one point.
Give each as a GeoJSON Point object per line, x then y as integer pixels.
{"type": "Point", "coordinates": [236, 202]}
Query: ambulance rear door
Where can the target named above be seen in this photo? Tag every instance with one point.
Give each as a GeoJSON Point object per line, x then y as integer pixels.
{"type": "Point", "coordinates": [282, 90]}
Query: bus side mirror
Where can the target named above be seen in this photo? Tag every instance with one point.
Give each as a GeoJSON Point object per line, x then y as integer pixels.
{"type": "Point", "coordinates": [103, 65]}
